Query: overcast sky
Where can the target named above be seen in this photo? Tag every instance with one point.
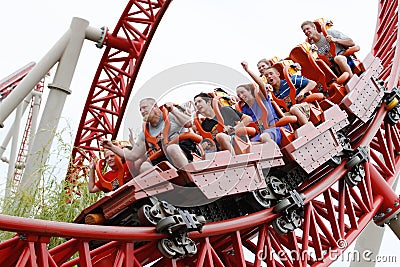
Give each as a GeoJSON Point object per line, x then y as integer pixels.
{"type": "Point", "coordinates": [223, 32]}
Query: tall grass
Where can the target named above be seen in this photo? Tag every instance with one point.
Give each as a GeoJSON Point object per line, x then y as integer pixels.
{"type": "Point", "coordinates": [48, 199]}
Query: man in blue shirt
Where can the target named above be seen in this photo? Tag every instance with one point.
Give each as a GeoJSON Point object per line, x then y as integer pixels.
{"type": "Point", "coordinates": [281, 90]}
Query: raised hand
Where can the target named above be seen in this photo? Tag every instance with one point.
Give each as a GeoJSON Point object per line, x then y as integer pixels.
{"type": "Point", "coordinates": [106, 143]}
{"type": "Point", "coordinates": [92, 163]}
{"type": "Point", "coordinates": [131, 140]}
{"type": "Point", "coordinates": [245, 65]}
{"type": "Point", "coordinates": [169, 106]}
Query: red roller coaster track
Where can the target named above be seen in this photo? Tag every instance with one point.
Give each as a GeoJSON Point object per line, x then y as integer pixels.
{"type": "Point", "coordinates": [335, 213]}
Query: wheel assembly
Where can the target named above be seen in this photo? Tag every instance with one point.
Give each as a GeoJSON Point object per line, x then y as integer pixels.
{"type": "Point", "coordinates": [352, 162]}
{"type": "Point", "coordinates": [392, 104]}
{"type": "Point", "coordinates": [280, 226]}
{"type": "Point", "coordinates": [260, 199]}
{"type": "Point", "coordinates": [355, 175]}
{"type": "Point", "coordinates": [147, 216]}
{"type": "Point", "coordinates": [335, 161]}
{"type": "Point", "coordinates": [167, 248]}
{"type": "Point", "coordinates": [277, 186]}
{"type": "Point", "coordinates": [393, 116]}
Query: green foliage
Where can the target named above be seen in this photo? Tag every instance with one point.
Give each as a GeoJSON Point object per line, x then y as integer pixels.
{"type": "Point", "coordinates": [50, 202]}
{"type": "Point", "coordinates": [52, 198]}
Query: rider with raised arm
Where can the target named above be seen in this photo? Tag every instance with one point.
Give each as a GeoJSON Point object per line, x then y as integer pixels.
{"type": "Point", "coordinates": [110, 176]}
{"type": "Point", "coordinates": [252, 108]}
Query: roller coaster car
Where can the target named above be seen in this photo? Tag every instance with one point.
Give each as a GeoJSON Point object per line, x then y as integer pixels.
{"type": "Point", "coordinates": [364, 92]}
{"type": "Point", "coordinates": [218, 175]}
{"type": "Point", "coordinates": [364, 96]}
{"type": "Point", "coordinates": [316, 145]}
{"type": "Point", "coordinates": [359, 101]}
{"type": "Point", "coordinates": [306, 146]}
{"type": "Point", "coordinates": [219, 187]}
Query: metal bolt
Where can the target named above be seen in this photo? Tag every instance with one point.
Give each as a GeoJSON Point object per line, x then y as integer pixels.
{"type": "Point", "coordinates": [388, 210]}
{"type": "Point", "coordinates": [380, 215]}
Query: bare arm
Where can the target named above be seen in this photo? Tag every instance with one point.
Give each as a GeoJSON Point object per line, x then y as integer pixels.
{"type": "Point", "coordinates": [245, 119]}
{"type": "Point", "coordinates": [137, 151]}
{"type": "Point", "coordinates": [310, 85]}
{"type": "Point", "coordinates": [92, 180]}
{"type": "Point", "coordinates": [345, 42]}
{"type": "Point", "coordinates": [131, 140]}
{"type": "Point", "coordinates": [181, 118]}
{"type": "Point", "coordinates": [257, 79]}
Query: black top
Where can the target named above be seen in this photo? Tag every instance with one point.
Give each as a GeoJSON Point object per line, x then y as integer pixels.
{"type": "Point", "coordinates": [230, 115]}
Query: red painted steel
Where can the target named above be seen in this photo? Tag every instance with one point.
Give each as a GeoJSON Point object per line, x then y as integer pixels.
{"type": "Point", "coordinates": [335, 213]}
{"type": "Point", "coordinates": [10, 82]}
{"type": "Point", "coordinates": [112, 85]}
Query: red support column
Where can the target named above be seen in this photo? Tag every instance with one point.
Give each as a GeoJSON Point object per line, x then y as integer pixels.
{"type": "Point", "coordinates": [390, 208]}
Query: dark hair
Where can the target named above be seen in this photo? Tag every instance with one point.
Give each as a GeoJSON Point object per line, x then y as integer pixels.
{"type": "Point", "coordinates": [206, 97]}
{"type": "Point", "coordinates": [248, 86]}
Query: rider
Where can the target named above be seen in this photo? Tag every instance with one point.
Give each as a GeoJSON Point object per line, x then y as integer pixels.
{"type": "Point", "coordinates": [262, 65]}
{"type": "Point", "coordinates": [251, 107]}
{"type": "Point", "coordinates": [281, 90]}
{"type": "Point", "coordinates": [152, 136]}
{"type": "Point", "coordinates": [233, 119]}
{"type": "Point", "coordinates": [112, 176]}
{"type": "Point", "coordinates": [342, 42]}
